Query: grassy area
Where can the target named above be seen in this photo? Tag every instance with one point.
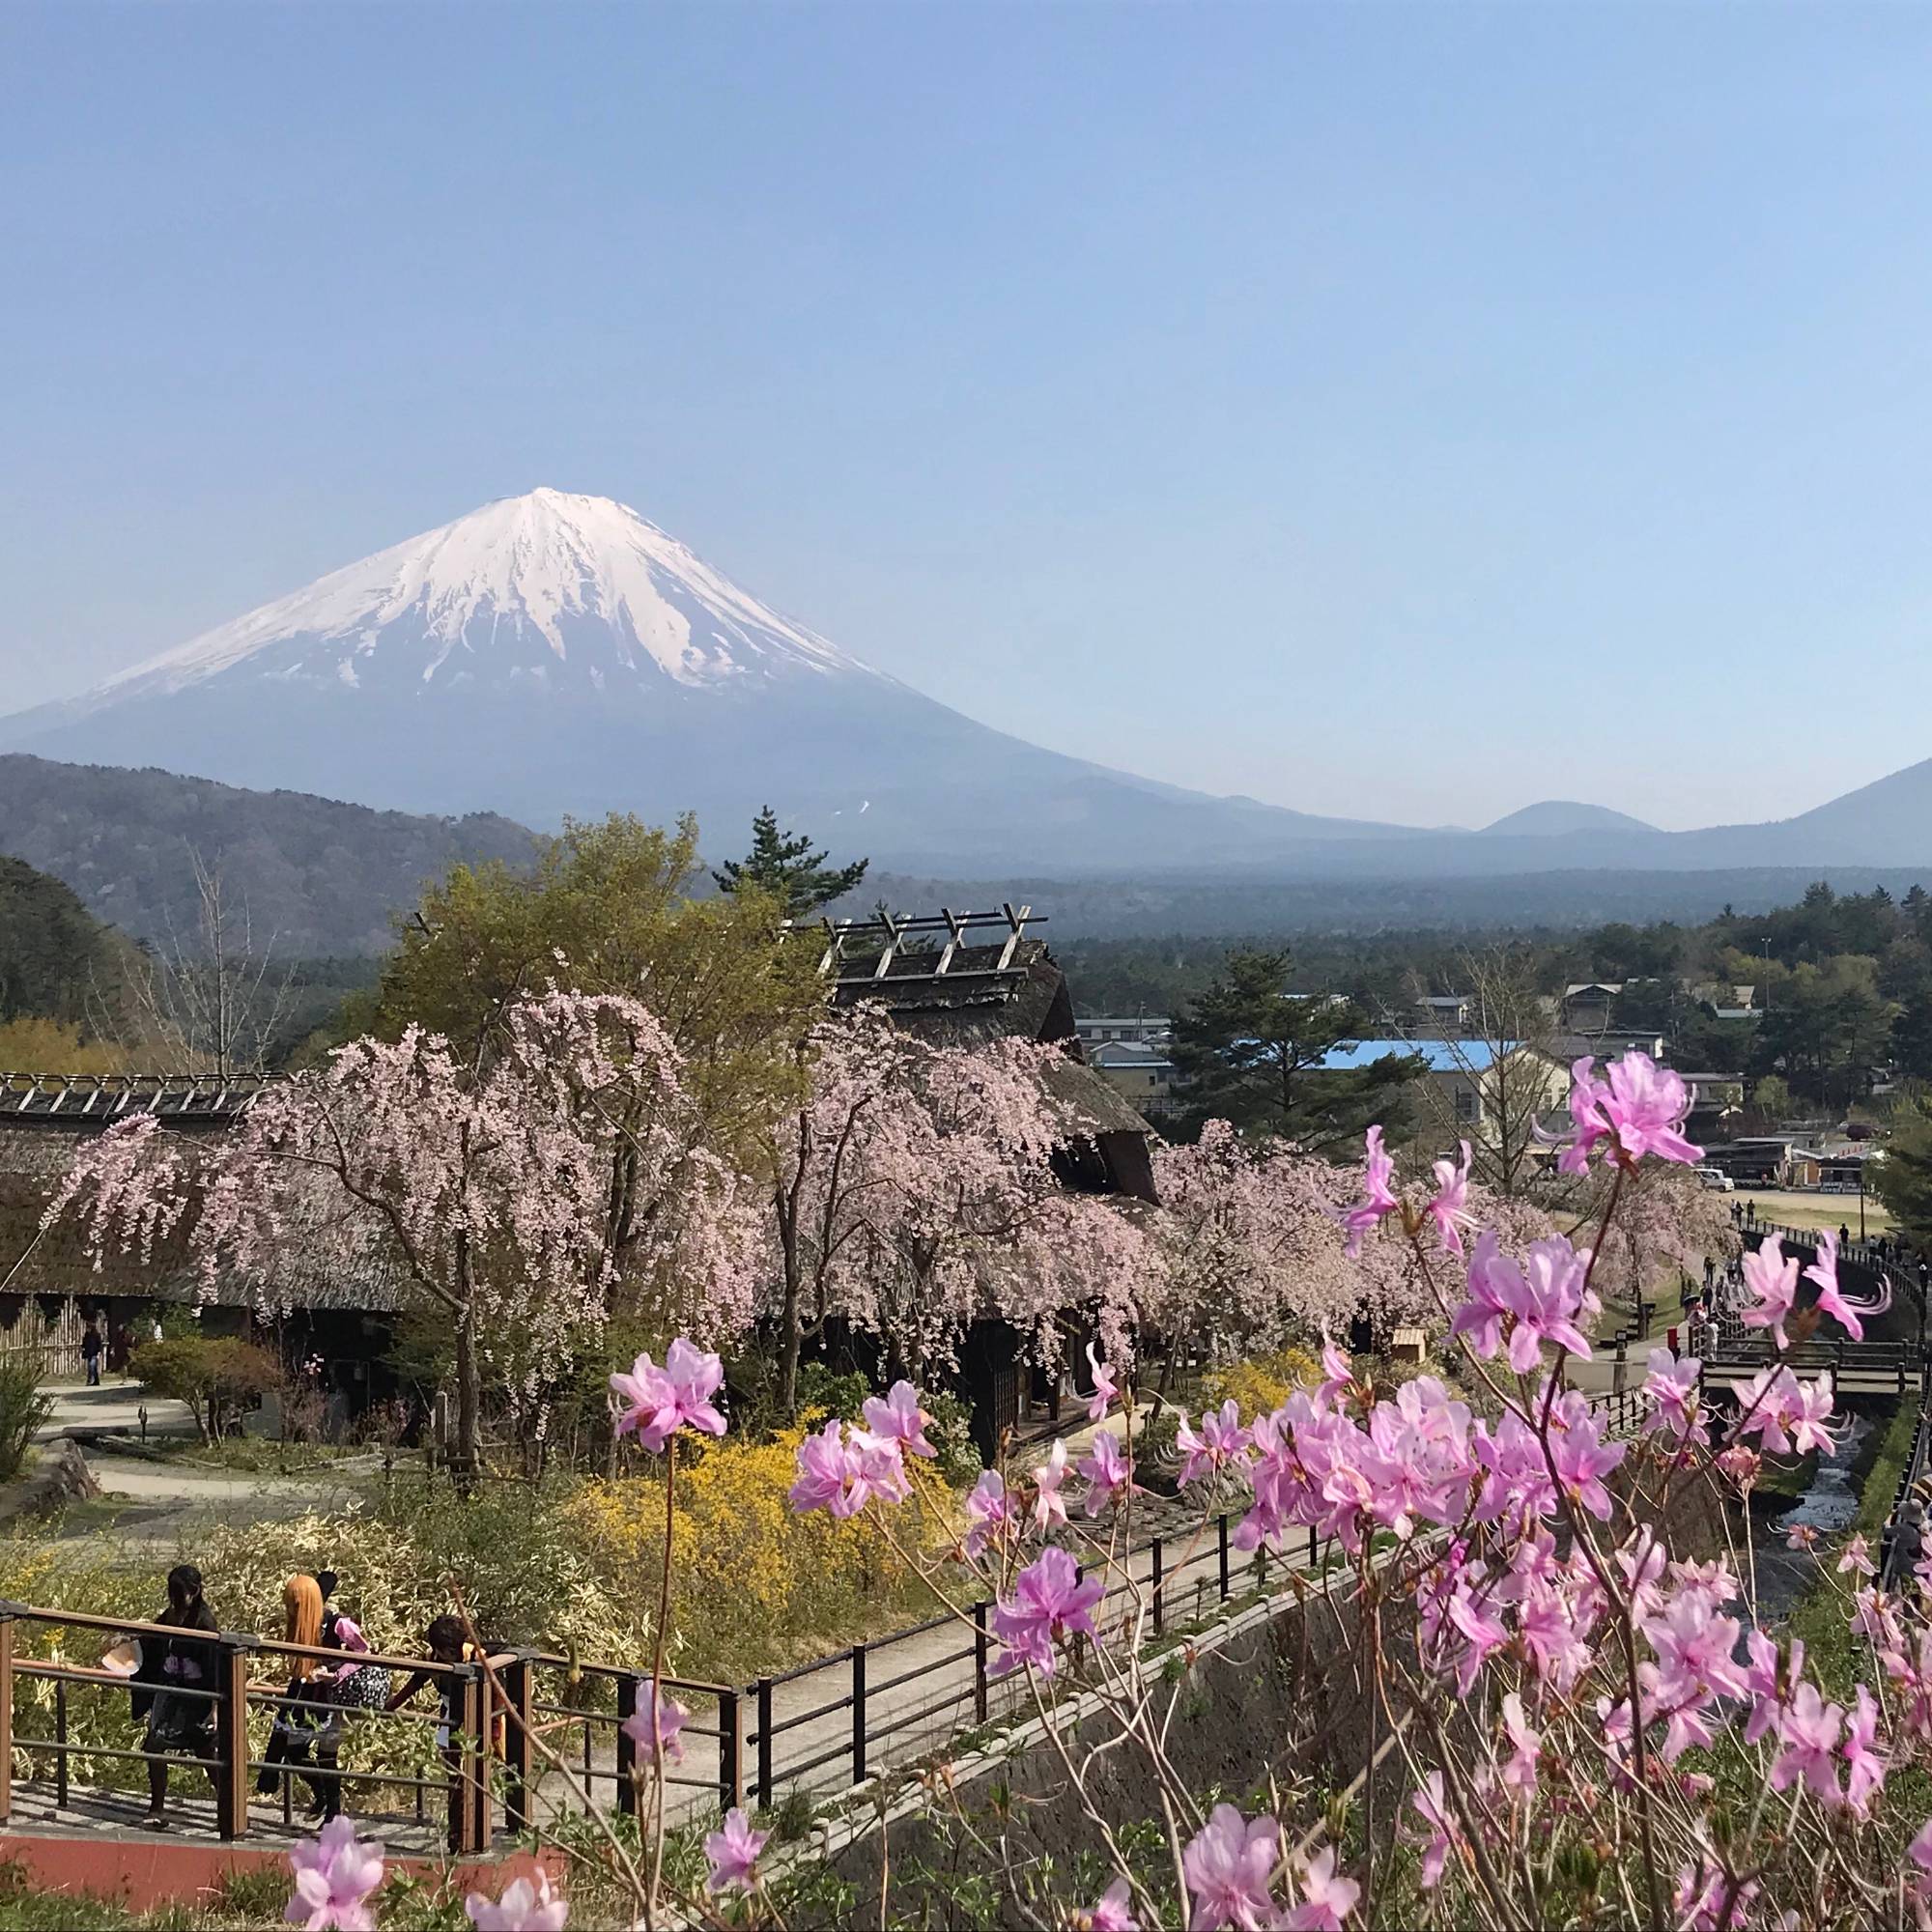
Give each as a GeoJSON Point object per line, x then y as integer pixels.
{"type": "Point", "coordinates": [255, 1454]}
{"type": "Point", "coordinates": [1806, 1209]}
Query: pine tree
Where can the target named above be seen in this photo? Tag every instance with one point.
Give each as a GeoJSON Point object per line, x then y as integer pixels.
{"type": "Point", "coordinates": [790, 869]}
{"type": "Point", "coordinates": [1250, 1051]}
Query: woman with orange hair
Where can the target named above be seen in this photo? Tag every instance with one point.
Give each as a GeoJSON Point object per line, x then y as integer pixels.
{"type": "Point", "coordinates": [303, 1708]}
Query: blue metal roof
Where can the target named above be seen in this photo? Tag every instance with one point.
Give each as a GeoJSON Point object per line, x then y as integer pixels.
{"type": "Point", "coordinates": [1441, 1056]}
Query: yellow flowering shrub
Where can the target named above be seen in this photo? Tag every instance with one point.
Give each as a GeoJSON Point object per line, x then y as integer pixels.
{"type": "Point", "coordinates": [756, 1585]}
{"type": "Point", "coordinates": [1263, 1384]}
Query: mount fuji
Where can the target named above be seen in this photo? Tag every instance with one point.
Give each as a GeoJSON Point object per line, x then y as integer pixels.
{"type": "Point", "coordinates": [554, 654]}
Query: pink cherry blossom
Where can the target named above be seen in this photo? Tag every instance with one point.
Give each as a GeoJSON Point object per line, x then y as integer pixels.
{"type": "Point", "coordinates": [1050, 1605]}
{"type": "Point", "coordinates": [1377, 1201]}
{"type": "Point", "coordinates": [1773, 1280]}
{"type": "Point", "coordinates": [526, 1905]}
{"type": "Point", "coordinates": [334, 1873]}
{"type": "Point", "coordinates": [1228, 1866]}
{"type": "Point", "coordinates": [899, 1419]}
{"type": "Point", "coordinates": [1109, 1473]}
{"type": "Point", "coordinates": [1105, 1389]}
{"type": "Point", "coordinates": [657, 1403]}
{"type": "Point", "coordinates": [1449, 1206]}
{"type": "Point", "coordinates": [1326, 1897]}
{"type": "Point", "coordinates": [734, 1854]}
{"type": "Point", "coordinates": [653, 1727]}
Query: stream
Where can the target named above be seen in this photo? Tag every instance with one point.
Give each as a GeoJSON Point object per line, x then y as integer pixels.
{"type": "Point", "coordinates": [1829, 1506]}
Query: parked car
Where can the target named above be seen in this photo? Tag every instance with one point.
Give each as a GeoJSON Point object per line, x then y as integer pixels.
{"type": "Point", "coordinates": [1715, 1180]}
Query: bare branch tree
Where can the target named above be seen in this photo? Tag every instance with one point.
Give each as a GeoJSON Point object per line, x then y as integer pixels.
{"type": "Point", "coordinates": [208, 1002]}
{"type": "Point", "coordinates": [1505, 1069]}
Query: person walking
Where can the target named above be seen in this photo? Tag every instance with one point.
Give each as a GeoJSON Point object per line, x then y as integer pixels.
{"type": "Point", "coordinates": [302, 1709]}
{"type": "Point", "coordinates": [91, 1350]}
{"type": "Point", "coordinates": [174, 1689]}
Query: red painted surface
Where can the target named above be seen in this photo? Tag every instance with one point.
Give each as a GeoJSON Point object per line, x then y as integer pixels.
{"type": "Point", "coordinates": [145, 1872]}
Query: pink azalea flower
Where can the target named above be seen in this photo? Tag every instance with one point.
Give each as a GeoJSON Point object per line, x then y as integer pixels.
{"type": "Point", "coordinates": [1105, 1389]}
{"type": "Point", "coordinates": [1739, 1466]}
{"type": "Point", "coordinates": [1866, 1766]}
{"type": "Point", "coordinates": [1808, 1730]}
{"type": "Point", "coordinates": [1338, 1371]}
{"type": "Point", "coordinates": [334, 1875]}
{"type": "Point", "coordinates": [1856, 1558]}
{"type": "Point", "coordinates": [1449, 1206]}
{"type": "Point", "coordinates": [1833, 1301]}
{"type": "Point", "coordinates": [1801, 1536]}
{"type": "Point", "coordinates": [1492, 1276]}
{"type": "Point", "coordinates": [1920, 1850]}
{"type": "Point", "coordinates": [1377, 1200]}
{"type": "Point", "coordinates": [1708, 1899]}
{"type": "Point", "coordinates": [658, 1401]}
{"type": "Point", "coordinates": [1049, 1505]}
{"type": "Point", "coordinates": [1519, 1772]}
{"type": "Point", "coordinates": [1109, 1473]}
{"type": "Point", "coordinates": [1050, 1604]}
{"type": "Point", "coordinates": [1222, 1441]}
{"type": "Point", "coordinates": [989, 1513]}
{"type": "Point", "coordinates": [527, 1905]}
{"type": "Point", "coordinates": [1670, 1387]}
{"type": "Point", "coordinates": [1433, 1809]}
{"type": "Point", "coordinates": [1326, 1897]}
{"type": "Point", "coordinates": [1228, 1864]}
{"type": "Point", "coordinates": [844, 1475]}
{"type": "Point", "coordinates": [1807, 1416]}
{"type": "Point", "coordinates": [653, 1727]}
{"type": "Point", "coordinates": [899, 1419]}
{"type": "Point", "coordinates": [1773, 1279]}
{"type": "Point", "coordinates": [1645, 1105]}
{"type": "Point", "coordinates": [733, 1853]}
{"type": "Point", "coordinates": [1112, 1912]}
{"type": "Point", "coordinates": [1581, 1457]}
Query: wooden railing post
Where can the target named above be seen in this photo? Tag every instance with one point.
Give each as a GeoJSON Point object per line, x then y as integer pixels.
{"type": "Point", "coordinates": [469, 1767]}
{"type": "Point", "coordinates": [230, 1770]}
{"type": "Point", "coordinates": [5, 1714]}
{"type": "Point", "coordinates": [731, 1750]}
{"type": "Point", "coordinates": [858, 1713]}
{"type": "Point", "coordinates": [1221, 1525]}
{"type": "Point", "coordinates": [765, 1742]}
{"type": "Point", "coordinates": [517, 1678]}
{"type": "Point", "coordinates": [1160, 1594]}
{"type": "Point", "coordinates": [627, 1750]}
{"type": "Point", "coordinates": [981, 1657]}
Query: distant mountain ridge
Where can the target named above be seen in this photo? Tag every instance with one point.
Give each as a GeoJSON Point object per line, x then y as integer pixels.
{"type": "Point", "coordinates": [1555, 817]}
{"type": "Point", "coordinates": [319, 876]}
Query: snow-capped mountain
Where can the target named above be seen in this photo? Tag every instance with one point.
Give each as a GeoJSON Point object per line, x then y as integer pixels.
{"type": "Point", "coordinates": [546, 591]}
{"type": "Point", "coordinates": [554, 654]}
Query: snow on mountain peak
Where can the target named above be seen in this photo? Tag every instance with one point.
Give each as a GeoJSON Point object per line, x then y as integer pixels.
{"type": "Point", "coordinates": [536, 590]}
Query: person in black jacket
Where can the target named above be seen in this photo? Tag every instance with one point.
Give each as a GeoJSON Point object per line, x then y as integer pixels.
{"type": "Point", "coordinates": [179, 1722]}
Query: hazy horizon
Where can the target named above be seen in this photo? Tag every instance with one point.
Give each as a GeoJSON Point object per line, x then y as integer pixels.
{"type": "Point", "coordinates": [1188, 389]}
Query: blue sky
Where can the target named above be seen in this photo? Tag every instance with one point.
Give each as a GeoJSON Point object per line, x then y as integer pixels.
{"type": "Point", "coordinates": [1406, 413]}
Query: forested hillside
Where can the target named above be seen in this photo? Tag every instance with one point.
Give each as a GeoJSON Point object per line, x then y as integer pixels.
{"type": "Point", "coordinates": [319, 876]}
{"type": "Point", "coordinates": [55, 957]}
